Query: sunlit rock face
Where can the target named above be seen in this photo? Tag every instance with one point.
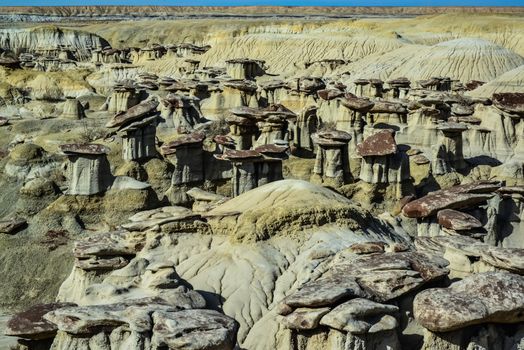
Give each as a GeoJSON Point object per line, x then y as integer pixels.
{"type": "Point", "coordinates": [211, 181]}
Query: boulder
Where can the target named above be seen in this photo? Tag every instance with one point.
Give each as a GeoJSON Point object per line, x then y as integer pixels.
{"type": "Point", "coordinates": [12, 226]}
{"type": "Point", "coordinates": [358, 316]}
{"type": "Point", "coordinates": [456, 220]}
{"type": "Point", "coordinates": [304, 318]}
{"type": "Point", "coordinates": [457, 197]}
{"type": "Point", "coordinates": [481, 298]}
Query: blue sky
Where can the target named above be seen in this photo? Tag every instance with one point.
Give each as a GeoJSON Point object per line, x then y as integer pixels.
{"type": "Point", "coordinates": [265, 2]}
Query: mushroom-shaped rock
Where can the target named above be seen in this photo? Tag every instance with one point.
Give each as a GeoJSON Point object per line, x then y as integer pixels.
{"type": "Point", "coordinates": [358, 104]}
{"type": "Point", "coordinates": [252, 169]}
{"type": "Point", "coordinates": [496, 297]}
{"type": "Point", "coordinates": [88, 170]}
{"type": "Point", "coordinates": [381, 143]}
{"type": "Point", "coordinates": [381, 161]}
{"type": "Point", "coordinates": [186, 155]}
{"type": "Point", "coordinates": [30, 324]}
{"type": "Point", "coordinates": [244, 68]}
{"type": "Point", "coordinates": [457, 220]}
{"type": "Point", "coordinates": [332, 156]}
{"type": "Point", "coordinates": [134, 113]}
{"type": "Point", "coordinates": [273, 151]}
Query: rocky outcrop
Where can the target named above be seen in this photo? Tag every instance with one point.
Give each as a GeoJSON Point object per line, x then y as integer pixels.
{"type": "Point", "coordinates": [468, 255]}
{"type": "Point", "coordinates": [481, 298]}
{"type": "Point", "coordinates": [49, 40]}
{"type": "Point", "coordinates": [351, 298]}
{"type": "Point", "coordinates": [142, 323]}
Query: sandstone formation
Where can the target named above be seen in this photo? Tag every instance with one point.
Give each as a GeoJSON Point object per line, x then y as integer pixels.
{"type": "Point", "coordinates": [295, 179]}
{"type": "Point", "coordinates": [88, 168]}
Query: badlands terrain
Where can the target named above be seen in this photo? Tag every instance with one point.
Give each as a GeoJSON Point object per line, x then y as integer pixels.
{"type": "Point", "coordinates": [262, 178]}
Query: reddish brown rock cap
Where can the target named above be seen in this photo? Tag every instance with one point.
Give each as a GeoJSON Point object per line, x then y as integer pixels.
{"type": "Point", "coordinates": [381, 143]}
{"type": "Point", "coordinates": [457, 220]}
{"type": "Point", "coordinates": [510, 102]}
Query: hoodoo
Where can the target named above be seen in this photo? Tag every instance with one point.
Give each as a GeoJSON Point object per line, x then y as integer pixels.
{"type": "Point", "coordinates": [88, 169]}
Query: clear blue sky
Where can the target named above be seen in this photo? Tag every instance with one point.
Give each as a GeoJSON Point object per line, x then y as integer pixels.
{"type": "Point", "coordinates": [265, 2]}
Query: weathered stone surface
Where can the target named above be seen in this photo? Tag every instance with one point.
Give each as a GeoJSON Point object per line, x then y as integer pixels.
{"type": "Point", "coordinates": [304, 318]}
{"type": "Point", "coordinates": [89, 319]}
{"type": "Point", "coordinates": [325, 291]}
{"type": "Point", "coordinates": [194, 330]}
{"type": "Point", "coordinates": [380, 277]}
{"type": "Point", "coordinates": [469, 251]}
{"type": "Point", "coordinates": [330, 94]}
{"type": "Point", "coordinates": [462, 110]}
{"type": "Point", "coordinates": [457, 197]}
{"type": "Point", "coordinates": [510, 102]}
{"type": "Point", "coordinates": [238, 155]}
{"type": "Point", "coordinates": [272, 150]}
{"type": "Point", "coordinates": [456, 220]}
{"type": "Point", "coordinates": [108, 250]}
{"type": "Point", "coordinates": [359, 316]}
{"type": "Point", "coordinates": [389, 275]}
{"type": "Point", "coordinates": [381, 143]}
{"type": "Point", "coordinates": [481, 298]}
{"type": "Point", "coordinates": [510, 259]}
{"type": "Point", "coordinates": [84, 148]}
{"type": "Point", "coordinates": [30, 323]}
{"type": "Point", "coordinates": [358, 104]}
{"type": "Point", "coordinates": [367, 247]}
{"type": "Point", "coordinates": [185, 140]}
{"type": "Point", "coordinates": [157, 217]}
{"type": "Point", "coordinates": [136, 112]}
{"type": "Point", "coordinates": [11, 226]}
{"type": "Point", "coordinates": [388, 107]}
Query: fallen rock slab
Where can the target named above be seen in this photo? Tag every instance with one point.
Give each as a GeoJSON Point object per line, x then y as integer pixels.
{"type": "Point", "coordinates": [12, 226]}
{"type": "Point", "coordinates": [496, 297]}
{"type": "Point", "coordinates": [30, 324]}
{"type": "Point", "coordinates": [456, 220]}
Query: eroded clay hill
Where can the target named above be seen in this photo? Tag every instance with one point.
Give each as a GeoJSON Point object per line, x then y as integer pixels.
{"type": "Point", "coordinates": [343, 184]}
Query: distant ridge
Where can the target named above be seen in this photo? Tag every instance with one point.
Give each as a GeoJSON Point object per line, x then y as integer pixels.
{"type": "Point", "coordinates": [153, 11]}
